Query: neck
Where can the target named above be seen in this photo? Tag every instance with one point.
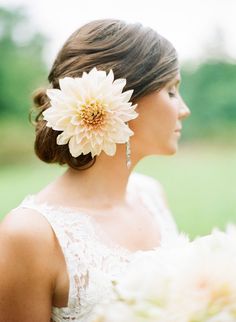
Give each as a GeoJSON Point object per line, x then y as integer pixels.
{"type": "Point", "coordinates": [101, 186]}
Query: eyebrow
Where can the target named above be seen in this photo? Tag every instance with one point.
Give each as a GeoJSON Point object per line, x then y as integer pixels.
{"type": "Point", "coordinates": [175, 82]}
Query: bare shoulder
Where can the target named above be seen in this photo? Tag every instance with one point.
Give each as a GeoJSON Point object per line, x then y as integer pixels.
{"type": "Point", "coordinates": [26, 225]}
{"type": "Point", "coordinates": [26, 247]}
{"type": "Point", "coordinates": [25, 233]}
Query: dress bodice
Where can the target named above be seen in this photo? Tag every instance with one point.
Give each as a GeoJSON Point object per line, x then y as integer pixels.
{"type": "Point", "coordinates": [93, 260]}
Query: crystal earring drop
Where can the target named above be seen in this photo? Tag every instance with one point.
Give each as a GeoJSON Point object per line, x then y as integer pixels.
{"type": "Point", "coordinates": [128, 154]}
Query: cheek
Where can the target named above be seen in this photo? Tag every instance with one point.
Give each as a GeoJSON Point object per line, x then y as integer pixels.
{"type": "Point", "coordinates": [156, 123]}
{"type": "Point", "coordinates": [154, 131]}
{"type": "Point", "coordinates": [166, 120]}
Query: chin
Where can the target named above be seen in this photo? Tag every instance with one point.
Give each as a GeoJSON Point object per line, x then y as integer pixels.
{"type": "Point", "coordinates": [173, 152]}
{"type": "Point", "coordinates": [170, 150]}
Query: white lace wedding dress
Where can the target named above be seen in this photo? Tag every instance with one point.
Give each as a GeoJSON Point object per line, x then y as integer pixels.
{"type": "Point", "coordinates": [92, 259]}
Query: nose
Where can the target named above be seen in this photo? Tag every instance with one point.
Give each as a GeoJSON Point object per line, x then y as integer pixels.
{"type": "Point", "coordinates": [184, 110]}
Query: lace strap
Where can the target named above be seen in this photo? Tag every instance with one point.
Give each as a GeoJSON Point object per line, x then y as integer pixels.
{"type": "Point", "coordinates": [152, 197]}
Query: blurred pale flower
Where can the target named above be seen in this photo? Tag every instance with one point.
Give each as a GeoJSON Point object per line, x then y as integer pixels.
{"type": "Point", "coordinates": [91, 111]}
{"type": "Point", "coordinates": [208, 279]}
{"type": "Point", "coordinates": [188, 282]}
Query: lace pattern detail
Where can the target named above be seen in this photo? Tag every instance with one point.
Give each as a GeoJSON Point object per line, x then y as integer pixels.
{"type": "Point", "coordinates": [93, 260]}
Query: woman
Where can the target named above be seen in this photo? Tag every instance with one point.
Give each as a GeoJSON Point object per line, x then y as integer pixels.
{"type": "Point", "coordinates": [61, 247]}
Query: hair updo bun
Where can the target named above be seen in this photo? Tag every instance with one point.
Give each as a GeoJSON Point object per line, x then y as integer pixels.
{"type": "Point", "coordinates": [45, 146]}
{"type": "Point", "coordinates": [40, 98]}
{"type": "Point", "coordinates": [139, 54]}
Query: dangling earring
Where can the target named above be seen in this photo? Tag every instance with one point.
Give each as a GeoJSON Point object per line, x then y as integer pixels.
{"type": "Point", "coordinates": [128, 154]}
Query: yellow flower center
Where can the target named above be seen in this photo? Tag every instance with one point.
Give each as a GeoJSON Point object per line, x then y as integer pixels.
{"type": "Point", "coordinates": [93, 113]}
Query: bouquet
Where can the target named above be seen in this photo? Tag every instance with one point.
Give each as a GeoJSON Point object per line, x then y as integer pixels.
{"type": "Point", "coordinates": [188, 282]}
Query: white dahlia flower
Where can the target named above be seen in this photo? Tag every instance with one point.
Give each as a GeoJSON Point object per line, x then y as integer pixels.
{"type": "Point", "coordinates": [186, 282]}
{"type": "Point", "coordinates": [91, 111]}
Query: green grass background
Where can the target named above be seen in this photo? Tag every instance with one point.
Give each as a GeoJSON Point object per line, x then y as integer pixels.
{"type": "Point", "coordinates": [200, 184]}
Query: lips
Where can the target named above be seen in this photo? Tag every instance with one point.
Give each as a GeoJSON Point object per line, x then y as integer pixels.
{"type": "Point", "coordinates": [178, 132]}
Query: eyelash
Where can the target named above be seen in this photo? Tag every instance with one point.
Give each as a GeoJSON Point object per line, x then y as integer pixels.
{"type": "Point", "coordinates": [172, 94]}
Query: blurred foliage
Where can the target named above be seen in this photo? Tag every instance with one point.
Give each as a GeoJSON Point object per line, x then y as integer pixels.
{"type": "Point", "coordinates": [22, 67]}
{"type": "Point", "coordinates": [210, 92]}
{"type": "Point", "coordinates": [208, 87]}
{"type": "Point", "coordinates": [16, 143]}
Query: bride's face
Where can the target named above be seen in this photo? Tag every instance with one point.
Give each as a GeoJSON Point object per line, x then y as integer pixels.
{"type": "Point", "coordinates": [157, 129]}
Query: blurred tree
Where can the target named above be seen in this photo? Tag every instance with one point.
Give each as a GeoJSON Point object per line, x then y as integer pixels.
{"type": "Point", "coordinates": [209, 88]}
{"type": "Point", "coordinates": [22, 67]}
{"type": "Point", "coordinates": [210, 91]}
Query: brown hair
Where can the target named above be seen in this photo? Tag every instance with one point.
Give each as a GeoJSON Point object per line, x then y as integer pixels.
{"type": "Point", "coordinates": [146, 59]}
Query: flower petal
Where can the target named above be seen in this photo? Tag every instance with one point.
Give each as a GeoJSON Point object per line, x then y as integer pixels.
{"type": "Point", "coordinates": [109, 148]}
{"type": "Point", "coordinates": [62, 139]}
